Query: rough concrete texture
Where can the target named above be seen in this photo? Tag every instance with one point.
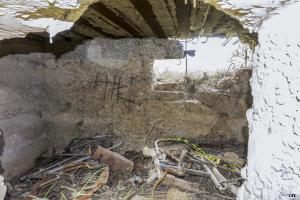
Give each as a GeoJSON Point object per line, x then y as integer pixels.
{"type": "Point", "coordinates": [40, 15]}
{"type": "Point", "coordinates": [22, 98]}
{"type": "Point", "coordinates": [117, 19]}
{"type": "Point", "coordinates": [45, 100]}
{"type": "Point", "coordinates": [230, 101]}
{"type": "Point", "coordinates": [273, 169]}
{"type": "Point", "coordinates": [103, 86]}
{"type": "Point", "coordinates": [168, 86]}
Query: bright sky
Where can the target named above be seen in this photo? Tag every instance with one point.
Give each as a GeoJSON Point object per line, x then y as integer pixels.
{"type": "Point", "coordinates": [211, 55]}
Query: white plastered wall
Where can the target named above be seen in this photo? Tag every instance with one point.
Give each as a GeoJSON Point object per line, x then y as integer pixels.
{"type": "Point", "coordinates": [273, 170]}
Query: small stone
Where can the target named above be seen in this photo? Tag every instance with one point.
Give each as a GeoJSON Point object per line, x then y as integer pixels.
{"type": "Point", "coordinates": [136, 180]}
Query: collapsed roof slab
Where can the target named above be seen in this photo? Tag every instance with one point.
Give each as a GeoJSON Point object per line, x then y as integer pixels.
{"type": "Point", "coordinates": [141, 19]}
{"type": "Point", "coordinates": [158, 18]}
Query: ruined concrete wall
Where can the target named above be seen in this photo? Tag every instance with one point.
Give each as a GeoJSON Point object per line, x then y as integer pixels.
{"type": "Point", "coordinates": [213, 111]}
{"type": "Point", "coordinates": [87, 80]}
{"type": "Point", "coordinates": [273, 170]}
{"type": "Point", "coordinates": [230, 100]}
{"type": "Point", "coordinates": [22, 100]}
{"type": "Point", "coordinates": [46, 102]}
{"type": "Point", "coordinates": [104, 86]}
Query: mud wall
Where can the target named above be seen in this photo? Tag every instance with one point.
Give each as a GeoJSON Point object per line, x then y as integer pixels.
{"type": "Point", "coordinates": [273, 170]}
{"type": "Point", "coordinates": [104, 86]}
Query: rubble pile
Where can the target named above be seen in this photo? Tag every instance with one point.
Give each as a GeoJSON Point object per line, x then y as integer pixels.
{"type": "Point", "coordinates": [96, 168]}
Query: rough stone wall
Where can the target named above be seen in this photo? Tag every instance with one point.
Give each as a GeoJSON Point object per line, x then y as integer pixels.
{"type": "Point", "coordinates": [94, 105]}
{"type": "Point", "coordinates": [211, 111]}
{"type": "Point", "coordinates": [22, 125]}
{"type": "Point", "coordinates": [103, 86]}
{"type": "Point", "coordinates": [230, 100]}
{"type": "Point", "coordinates": [273, 169]}
{"type": "Point", "coordinates": [46, 101]}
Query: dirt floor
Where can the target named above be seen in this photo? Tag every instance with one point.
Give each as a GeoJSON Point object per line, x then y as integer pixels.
{"type": "Point", "coordinates": [85, 177]}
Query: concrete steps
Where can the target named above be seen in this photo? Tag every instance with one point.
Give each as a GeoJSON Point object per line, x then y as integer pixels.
{"type": "Point", "coordinates": [172, 86]}
{"type": "Point", "coordinates": [168, 95]}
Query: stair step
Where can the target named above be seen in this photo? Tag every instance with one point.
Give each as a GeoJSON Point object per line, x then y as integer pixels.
{"type": "Point", "coordinates": [168, 95]}
{"type": "Point", "coordinates": [172, 86]}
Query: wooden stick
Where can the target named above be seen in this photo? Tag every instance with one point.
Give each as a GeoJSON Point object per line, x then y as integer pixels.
{"type": "Point", "coordinates": [150, 131]}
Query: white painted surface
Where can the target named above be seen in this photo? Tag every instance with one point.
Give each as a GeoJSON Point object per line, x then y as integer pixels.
{"type": "Point", "coordinates": [12, 26]}
{"type": "Point", "coordinates": [273, 170]}
{"type": "Point", "coordinates": [52, 26]}
{"type": "Point", "coordinates": [255, 11]}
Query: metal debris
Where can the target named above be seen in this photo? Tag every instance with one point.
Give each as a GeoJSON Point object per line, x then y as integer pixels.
{"type": "Point", "coordinates": [188, 163]}
{"type": "Point", "coordinates": [114, 160]}
{"type": "Point", "coordinates": [87, 170]}
{"type": "Point", "coordinates": [60, 165]}
{"type": "Point", "coordinates": [74, 174]}
{"type": "Point", "coordinates": [86, 145]}
{"type": "Point", "coordinates": [187, 171]}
